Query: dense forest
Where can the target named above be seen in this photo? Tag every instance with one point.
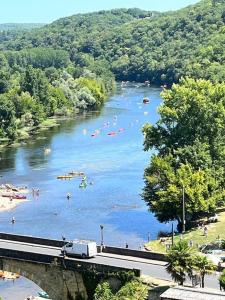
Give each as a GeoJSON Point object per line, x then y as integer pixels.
{"type": "Point", "coordinates": [139, 45]}
{"type": "Point", "coordinates": [19, 26]}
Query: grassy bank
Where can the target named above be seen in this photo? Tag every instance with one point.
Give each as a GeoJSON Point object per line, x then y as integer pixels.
{"type": "Point", "coordinates": [196, 235]}
{"type": "Point", "coordinates": [25, 133]}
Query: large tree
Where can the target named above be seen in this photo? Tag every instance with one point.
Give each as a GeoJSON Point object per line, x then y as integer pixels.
{"type": "Point", "coordinates": [190, 150]}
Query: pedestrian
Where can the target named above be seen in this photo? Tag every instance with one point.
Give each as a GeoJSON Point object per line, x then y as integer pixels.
{"type": "Point", "coordinates": [205, 231]}
{"type": "Point", "coordinates": [219, 267]}
{"type": "Point", "coordinates": [13, 220]}
{"type": "Point", "coordinates": [68, 196]}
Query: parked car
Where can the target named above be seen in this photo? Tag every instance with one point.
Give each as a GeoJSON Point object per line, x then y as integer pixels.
{"type": "Point", "coordinates": [82, 248]}
{"type": "Point", "coordinates": [213, 219]}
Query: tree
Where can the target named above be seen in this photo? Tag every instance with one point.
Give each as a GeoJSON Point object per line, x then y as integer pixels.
{"type": "Point", "coordinates": [222, 280]}
{"type": "Point", "coordinates": [190, 143]}
{"type": "Point", "coordinates": [203, 267]}
{"type": "Point", "coordinates": [36, 83]}
{"type": "Point", "coordinates": [180, 261]}
{"type": "Point", "coordinates": [131, 290]}
{"type": "Point", "coordinates": [164, 183]}
{"type": "Point", "coordinates": [7, 117]}
{"type": "Point", "coordinates": [103, 292]}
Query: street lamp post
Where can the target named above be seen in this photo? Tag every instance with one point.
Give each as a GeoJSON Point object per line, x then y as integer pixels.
{"type": "Point", "coordinates": [183, 205]}
{"type": "Point", "coordinates": [148, 237]}
{"type": "Point", "coordinates": [172, 235]}
{"type": "Point", "coordinates": [102, 240]}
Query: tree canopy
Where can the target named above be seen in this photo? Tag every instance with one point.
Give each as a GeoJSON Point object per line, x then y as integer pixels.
{"type": "Point", "coordinates": [138, 45]}
{"type": "Point", "coordinates": [190, 147]}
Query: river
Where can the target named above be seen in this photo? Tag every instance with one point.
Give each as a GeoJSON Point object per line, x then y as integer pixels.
{"type": "Point", "coordinates": [114, 166]}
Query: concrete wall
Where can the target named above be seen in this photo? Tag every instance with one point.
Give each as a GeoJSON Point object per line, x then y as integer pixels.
{"type": "Point", "coordinates": [31, 239]}
{"type": "Point", "coordinates": [134, 253]}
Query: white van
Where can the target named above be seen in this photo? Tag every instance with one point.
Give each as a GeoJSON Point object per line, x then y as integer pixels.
{"type": "Point", "coordinates": [83, 248]}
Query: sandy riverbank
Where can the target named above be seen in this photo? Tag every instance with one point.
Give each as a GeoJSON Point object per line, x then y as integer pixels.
{"type": "Point", "coordinates": [7, 204]}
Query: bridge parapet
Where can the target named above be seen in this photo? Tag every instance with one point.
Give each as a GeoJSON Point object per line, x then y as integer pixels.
{"type": "Point", "coordinates": [62, 278]}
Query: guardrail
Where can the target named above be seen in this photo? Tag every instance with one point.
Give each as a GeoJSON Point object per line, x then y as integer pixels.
{"type": "Point", "coordinates": [31, 240]}
{"type": "Point", "coordinates": [134, 253]}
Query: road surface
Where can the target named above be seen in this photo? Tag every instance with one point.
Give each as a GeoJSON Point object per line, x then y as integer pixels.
{"type": "Point", "coordinates": [152, 268]}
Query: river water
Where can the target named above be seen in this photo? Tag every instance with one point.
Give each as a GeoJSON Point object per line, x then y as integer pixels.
{"type": "Point", "coordinates": [114, 166]}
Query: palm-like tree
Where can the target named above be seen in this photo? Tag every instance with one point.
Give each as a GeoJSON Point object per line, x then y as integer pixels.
{"type": "Point", "coordinates": [203, 267]}
{"type": "Point", "coordinates": [180, 261]}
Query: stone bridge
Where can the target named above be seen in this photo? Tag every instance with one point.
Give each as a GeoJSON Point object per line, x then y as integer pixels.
{"type": "Point", "coordinates": [61, 278]}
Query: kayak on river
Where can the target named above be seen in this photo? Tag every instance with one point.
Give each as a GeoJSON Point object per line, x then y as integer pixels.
{"type": "Point", "coordinates": [112, 133]}
{"type": "Point", "coordinates": [64, 177]}
{"type": "Point", "coordinates": [146, 100]}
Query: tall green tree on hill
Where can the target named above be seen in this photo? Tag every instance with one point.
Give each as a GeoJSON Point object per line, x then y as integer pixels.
{"type": "Point", "coordinates": [36, 83]}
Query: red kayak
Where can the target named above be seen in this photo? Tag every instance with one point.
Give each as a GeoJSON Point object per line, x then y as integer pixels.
{"type": "Point", "coordinates": [112, 133]}
{"type": "Point", "coordinates": [15, 196]}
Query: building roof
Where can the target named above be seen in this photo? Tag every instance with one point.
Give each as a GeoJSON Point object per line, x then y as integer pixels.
{"type": "Point", "coordinates": [189, 293]}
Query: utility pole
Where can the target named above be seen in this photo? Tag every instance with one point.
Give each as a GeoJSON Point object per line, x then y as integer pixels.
{"type": "Point", "coordinates": [172, 234]}
{"type": "Point", "coordinates": [183, 205]}
{"type": "Point", "coordinates": [148, 237]}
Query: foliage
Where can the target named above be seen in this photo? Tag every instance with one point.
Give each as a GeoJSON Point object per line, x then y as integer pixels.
{"type": "Point", "coordinates": [180, 261]}
{"type": "Point", "coordinates": [203, 267]}
{"type": "Point", "coordinates": [222, 280]}
{"type": "Point", "coordinates": [132, 290]}
{"type": "Point", "coordinates": [190, 143]}
{"type": "Point", "coordinates": [31, 93]}
{"type": "Point", "coordinates": [103, 292]}
{"type": "Point", "coordinates": [138, 45]}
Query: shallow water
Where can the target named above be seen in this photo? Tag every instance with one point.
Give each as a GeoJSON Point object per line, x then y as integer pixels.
{"type": "Point", "coordinates": [114, 166]}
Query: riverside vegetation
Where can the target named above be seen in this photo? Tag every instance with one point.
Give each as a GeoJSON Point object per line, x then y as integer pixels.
{"type": "Point", "coordinates": [130, 43]}
{"type": "Point", "coordinates": [70, 65]}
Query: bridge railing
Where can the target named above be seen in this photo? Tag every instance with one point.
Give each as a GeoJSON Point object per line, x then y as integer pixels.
{"type": "Point", "coordinates": [105, 249]}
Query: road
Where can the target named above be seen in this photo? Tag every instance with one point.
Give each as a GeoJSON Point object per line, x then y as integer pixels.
{"type": "Point", "coordinates": [148, 267]}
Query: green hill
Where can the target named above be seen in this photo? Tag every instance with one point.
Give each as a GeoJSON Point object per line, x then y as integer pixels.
{"type": "Point", "coordinates": [67, 65]}
{"type": "Point", "coordinates": [140, 45]}
{"type": "Point", "coordinates": [19, 26]}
